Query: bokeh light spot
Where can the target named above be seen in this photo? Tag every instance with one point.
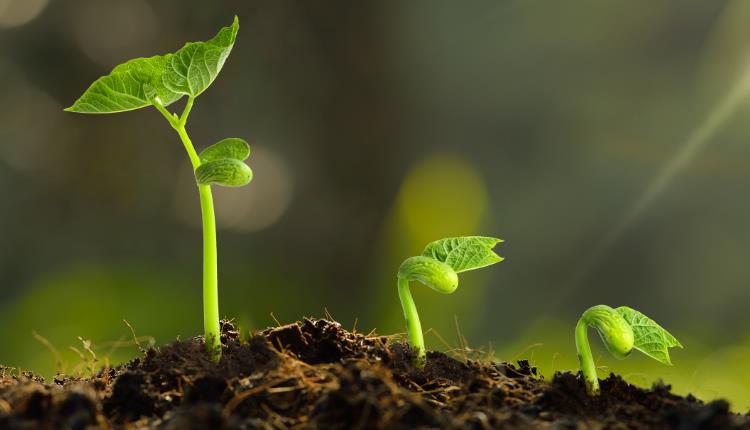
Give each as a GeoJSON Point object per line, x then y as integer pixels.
{"type": "Point", "coordinates": [262, 202]}
{"type": "Point", "coordinates": [253, 207]}
{"type": "Point", "coordinates": [112, 41]}
{"type": "Point", "coordinates": [15, 13]}
{"type": "Point", "coordinates": [443, 195]}
{"type": "Point", "coordinates": [28, 143]}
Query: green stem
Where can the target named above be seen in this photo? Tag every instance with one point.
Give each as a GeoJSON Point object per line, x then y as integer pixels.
{"type": "Point", "coordinates": [413, 326]}
{"type": "Point", "coordinates": [172, 118]}
{"type": "Point", "coordinates": [210, 275]}
{"type": "Point", "coordinates": [210, 271]}
{"type": "Point", "coordinates": [585, 358]}
{"type": "Point", "coordinates": [188, 144]}
{"type": "Point", "coordinates": [186, 111]}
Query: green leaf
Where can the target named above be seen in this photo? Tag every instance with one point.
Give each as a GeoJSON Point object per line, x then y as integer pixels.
{"type": "Point", "coordinates": [131, 85]}
{"type": "Point", "coordinates": [464, 253]}
{"type": "Point", "coordinates": [135, 83]}
{"type": "Point", "coordinates": [195, 66]}
{"type": "Point", "coordinates": [649, 337]}
{"type": "Point", "coordinates": [226, 171]}
{"type": "Point", "coordinates": [231, 147]}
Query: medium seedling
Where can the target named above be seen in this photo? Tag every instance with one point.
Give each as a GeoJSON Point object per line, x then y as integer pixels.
{"type": "Point", "coordinates": [622, 330]}
{"type": "Point", "coordinates": [438, 268]}
{"type": "Point", "coordinates": [159, 81]}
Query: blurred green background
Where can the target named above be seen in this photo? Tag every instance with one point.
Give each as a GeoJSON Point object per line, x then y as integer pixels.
{"type": "Point", "coordinates": [606, 142]}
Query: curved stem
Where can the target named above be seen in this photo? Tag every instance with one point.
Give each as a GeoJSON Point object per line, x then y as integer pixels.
{"type": "Point", "coordinates": [585, 358]}
{"type": "Point", "coordinates": [413, 326]}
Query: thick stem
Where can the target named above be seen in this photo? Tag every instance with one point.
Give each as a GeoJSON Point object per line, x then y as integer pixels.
{"type": "Point", "coordinates": [585, 358]}
{"type": "Point", "coordinates": [413, 326]}
{"type": "Point", "coordinates": [210, 275]}
{"type": "Point", "coordinates": [210, 272]}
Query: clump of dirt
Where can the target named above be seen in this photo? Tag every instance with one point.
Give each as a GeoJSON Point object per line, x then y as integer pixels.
{"type": "Point", "coordinates": [314, 374]}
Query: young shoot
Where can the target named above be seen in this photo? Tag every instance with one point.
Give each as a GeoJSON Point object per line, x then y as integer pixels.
{"type": "Point", "coordinates": [438, 268]}
{"type": "Point", "coordinates": [159, 81]}
{"type": "Point", "coordinates": [622, 330]}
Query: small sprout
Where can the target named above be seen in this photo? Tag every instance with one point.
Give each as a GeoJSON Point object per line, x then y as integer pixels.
{"type": "Point", "coordinates": [621, 329]}
{"type": "Point", "coordinates": [159, 81]}
{"type": "Point", "coordinates": [438, 268]}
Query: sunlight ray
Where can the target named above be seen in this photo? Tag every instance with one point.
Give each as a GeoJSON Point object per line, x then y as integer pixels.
{"type": "Point", "coordinates": [696, 141]}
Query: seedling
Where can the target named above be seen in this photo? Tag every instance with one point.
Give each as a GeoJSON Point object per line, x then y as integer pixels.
{"type": "Point", "coordinates": [621, 329]}
{"type": "Point", "coordinates": [438, 268]}
{"type": "Point", "coordinates": [159, 81]}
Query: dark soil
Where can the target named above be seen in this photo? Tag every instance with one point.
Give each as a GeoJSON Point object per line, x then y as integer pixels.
{"type": "Point", "coordinates": [314, 374]}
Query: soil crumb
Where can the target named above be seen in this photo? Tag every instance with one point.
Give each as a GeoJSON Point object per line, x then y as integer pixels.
{"type": "Point", "coordinates": [314, 374]}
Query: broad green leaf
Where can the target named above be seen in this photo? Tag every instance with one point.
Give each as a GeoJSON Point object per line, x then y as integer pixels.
{"type": "Point", "coordinates": [131, 85]}
{"type": "Point", "coordinates": [464, 253]}
{"type": "Point", "coordinates": [649, 337]}
{"type": "Point", "coordinates": [226, 171]}
{"type": "Point", "coordinates": [195, 66]}
{"type": "Point", "coordinates": [135, 83]}
{"type": "Point", "coordinates": [231, 147]}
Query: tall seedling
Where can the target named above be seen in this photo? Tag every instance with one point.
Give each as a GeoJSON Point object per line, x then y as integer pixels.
{"type": "Point", "coordinates": [159, 81]}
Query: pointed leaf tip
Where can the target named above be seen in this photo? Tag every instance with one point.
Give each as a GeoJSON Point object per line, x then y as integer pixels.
{"type": "Point", "coordinates": [134, 84]}
{"type": "Point", "coordinates": [464, 253]}
{"type": "Point", "coordinates": [195, 66]}
{"type": "Point", "coordinates": [649, 337]}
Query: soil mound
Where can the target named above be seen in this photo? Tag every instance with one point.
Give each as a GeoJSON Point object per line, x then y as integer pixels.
{"type": "Point", "coordinates": [314, 374]}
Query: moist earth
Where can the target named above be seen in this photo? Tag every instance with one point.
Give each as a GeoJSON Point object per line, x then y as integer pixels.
{"type": "Point", "coordinates": [314, 374]}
